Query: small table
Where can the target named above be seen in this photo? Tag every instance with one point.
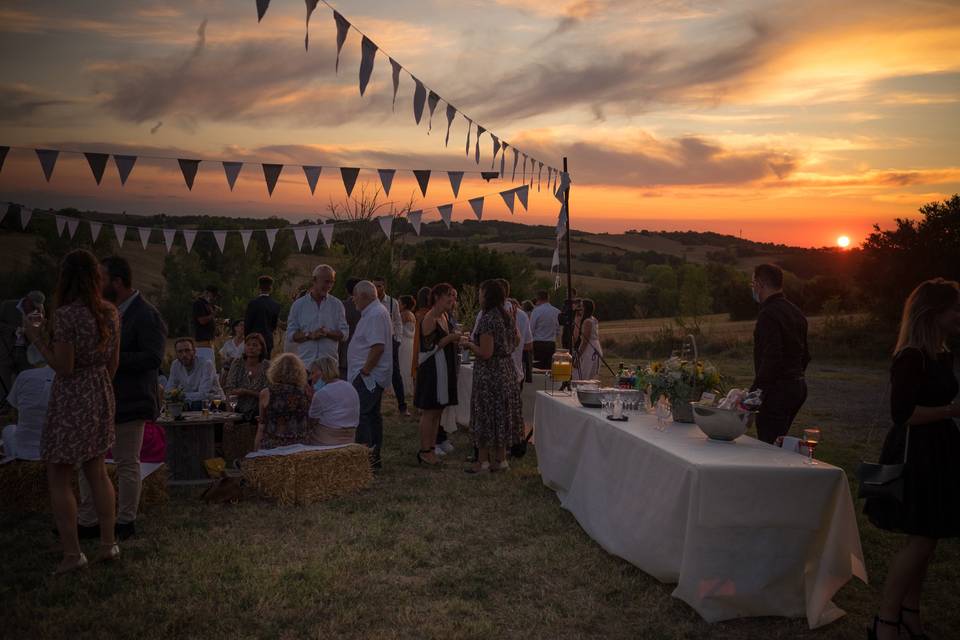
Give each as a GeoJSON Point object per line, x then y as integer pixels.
{"type": "Point", "coordinates": [190, 441]}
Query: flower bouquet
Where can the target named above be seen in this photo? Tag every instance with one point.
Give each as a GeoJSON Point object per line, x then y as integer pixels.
{"type": "Point", "coordinates": [681, 381]}
{"type": "Point", "coordinates": [174, 399]}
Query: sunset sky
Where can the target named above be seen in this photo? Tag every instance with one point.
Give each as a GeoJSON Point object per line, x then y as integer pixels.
{"type": "Point", "coordinates": [792, 122]}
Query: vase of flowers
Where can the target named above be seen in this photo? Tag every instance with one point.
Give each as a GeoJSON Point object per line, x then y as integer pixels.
{"type": "Point", "coordinates": [681, 381]}
{"type": "Point", "coordinates": [174, 402]}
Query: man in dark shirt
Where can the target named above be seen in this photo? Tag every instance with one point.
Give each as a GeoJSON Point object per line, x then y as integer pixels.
{"type": "Point", "coordinates": [263, 313]}
{"type": "Point", "coordinates": [353, 317]}
{"type": "Point", "coordinates": [780, 354]}
{"type": "Point", "coordinates": [205, 322]}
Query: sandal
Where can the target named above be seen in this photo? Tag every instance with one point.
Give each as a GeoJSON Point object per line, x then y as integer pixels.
{"type": "Point", "coordinates": [108, 552]}
{"type": "Point", "coordinates": [483, 468]}
{"type": "Point", "coordinates": [872, 633]}
{"type": "Point", "coordinates": [423, 461]}
{"type": "Point", "coordinates": [913, 636]}
{"type": "Point", "coordinates": [71, 562]}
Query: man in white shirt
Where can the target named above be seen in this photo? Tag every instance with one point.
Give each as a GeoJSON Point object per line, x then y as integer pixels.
{"type": "Point", "coordinates": [370, 364]}
{"type": "Point", "coordinates": [545, 324]}
{"type": "Point", "coordinates": [198, 378]}
{"type": "Point", "coordinates": [30, 396]}
{"type": "Point", "coordinates": [396, 323]}
{"type": "Point", "coordinates": [317, 322]}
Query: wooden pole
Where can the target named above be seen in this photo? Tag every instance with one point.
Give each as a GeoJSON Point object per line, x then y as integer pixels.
{"type": "Point", "coordinates": [566, 205]}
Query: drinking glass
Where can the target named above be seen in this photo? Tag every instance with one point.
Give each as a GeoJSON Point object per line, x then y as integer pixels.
{"type": "Point", "coordinates": [205, 407]}
{"type": "Point", "coordinates": [811, 437]}
{"type": "Point", "coordinates": [216, 404]}
{"type": "Point", "coordinates": [232, 403]}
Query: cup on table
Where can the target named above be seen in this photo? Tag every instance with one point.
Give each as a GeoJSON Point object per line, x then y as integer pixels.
{"type": "Point", "coordinates": [205, 407]}
{"type": "Point", "coordinates": [811, 438]}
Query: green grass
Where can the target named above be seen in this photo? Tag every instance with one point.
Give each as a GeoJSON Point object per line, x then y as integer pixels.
{"type": "Point", "coordinates": [422, 554]}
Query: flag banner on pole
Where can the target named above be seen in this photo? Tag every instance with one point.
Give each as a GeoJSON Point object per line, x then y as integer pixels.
{"type": "Point", "coordinates": [386, 179]}
{"type": "Point", "coordinates": [313, 174]}
{"type": "Point", "coordinates": [423, 179]}
{"type": "Point", "coordinates": [189, 170]}
{"type": "Point", "coordinates": [124, 166]}
{"type": "Point", "coordinates": [232, 170]}
{"type": "Point", "coordinates": [48, 160]}
{"type": "Point", "coordinates": [271, 173]}
{"type": "Point", "coordinates": [349, 175]}
{"type": "Point", "coordinates": [456, 177]}
{"type": "Point", "coordinates": [97, 162]}
{"type": "Point", "coordinates": [368, 52]}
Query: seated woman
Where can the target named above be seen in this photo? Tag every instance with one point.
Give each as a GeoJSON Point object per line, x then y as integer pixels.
{"type": "Point", "coordinates": [30, 396]}
{"type": "Point", "coordinates": [233, 348]}
{"type": "Point", "coordinates": [247, 376]}
{"type": "Point", "coordinates": [335, 409]}
{"type": "Point", "coordinates": [284, 405]}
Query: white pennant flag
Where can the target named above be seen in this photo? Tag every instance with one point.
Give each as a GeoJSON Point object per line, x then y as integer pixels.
{"type": "Point", "coordinates": [271, 237]}
{"type": "Point", "coordinates": [477, 205]}
{"type": "Point", "coordinates": [25, 214]}
{"type": "Point", "coordinates": [95, 230]}
{"type": "Point", "coordinates": [232, 170]}
{"type": "Point", "coordinates": [298, 235]}
{"type": "Point", "coordinates": [522, 193]}
{"type": "Point", "coordinates": [189, 235]}
{"type": "Point", "coordinates": [312, 237]}
{"type": "Point", "coordinates": [144, 236]}
{"type": "Point", "coordinates": [61, 223]}
{"type": "Point", "coordinates": [120, 231]}
{"type": "Point", "coordinates": [555, 263]}
{"type": "Point", "coordinates": [446, 212]}
{"type": "Point", "coordinates": [327, 231]}
{"type": "Point", "coordinates": [221, 238]}
{"type": "Point", "coordinates": [72, 224]}
{"type": "Point", "coordinates": [245, 236]}
{"type": "Point", "coordinates": [456, 177]}
{"type": "Point", "coordinates": [415, 218]}
{"type": "Point", "coordinates": [508, 198]}
{"type": "Point", "coordinates": [386, 179]}
{"type": "Point", "coordinates": [168, 237]}
{"type": "Point", "coordinates": [386, 225]}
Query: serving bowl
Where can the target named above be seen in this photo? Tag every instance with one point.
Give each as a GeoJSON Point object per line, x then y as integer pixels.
{"type": "Point", "coordinates": [592, 398]}
{"type": "Point", "coordinates": [721, 424]}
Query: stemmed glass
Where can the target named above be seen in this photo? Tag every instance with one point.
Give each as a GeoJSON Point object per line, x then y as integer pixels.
{"type": "Point", "coordinates": [232, 403]}
{"type": "Point", "coordinates": [811, 438]}
{"type": "Point", "coordinates": [216, 404]}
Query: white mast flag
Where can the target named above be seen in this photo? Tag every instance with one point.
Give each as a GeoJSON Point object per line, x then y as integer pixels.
{"type": "Point", "coordinates": [313, 174]}
{"type": "Point", "coordinates": [232, 170]}
{"type": "Point", "coordinates": [298, 235]}
{"type": "Point", "coordinates": [446, 212]}
{"type": "Point", "coordinates": [95, 230]}
{"type": "Point", "coordinates": [189, 235]}
{"type": "Point", "coordinates": [477, 205]}
{"type": "Point", "coordinates": [168, 236]}
{"type": "Point", "coordinates": [368, 52]}
{"type": "Point", "coordinates": [120, 231]}
{"type": "Point", "coordinates": [456, 177]}
{"type": "Point", "coordinates": [386, 179]}
{"type": "Point", "coordinates": [61, 223]}
{"type": "Point", "coordinates": [221, 238]}
{"type": "Point", "coordinates": [245, 236]}
{"type": "Point", "coordinates": [72, 224]}
{"type": "Point", "coordinates": [508, 198]}
{"type": "Point", "coordinates": [271, 237]}
{"type": "Point", "coordinates": [327, 231]}
{"type": "Point", "coordinates": [144, 236]}
{"type": "Point", "coordinates": [386, 225]}
{"type": "Point", "coordinates": [415, 218]}
{"type": "Point", "coordinates": [312, 237]}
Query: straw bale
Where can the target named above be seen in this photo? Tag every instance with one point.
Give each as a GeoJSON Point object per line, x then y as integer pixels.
{"type": "Point", "coordinates": [310, 476]}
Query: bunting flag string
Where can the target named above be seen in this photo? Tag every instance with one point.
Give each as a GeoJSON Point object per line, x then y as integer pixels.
{"type": "Point", "coordinates": [368, 52]}
{"type": "Point", "coordinates": [342, 27]}
{"type": "Point", "coordinates": [271, 173]}
{"type": "Point", "coordinates": [477, 205]}
{"type": "Point", "coordinates": [262, 9]}
{"type": "Point", "coordinates": [312, 174]}
{"type": "Point", "coordinates": [312, 237]}
{"type": "Point", "coordinates": [327, 231]}
{"type": "Point", "coordinates": [423, 179]}
{"type": "Point", "coordinates": [396, 80]}
{"type": "Point", "coordinates": [232, 170]}
{"type": "Point", "coordinates": [97, 162]}
{"type": "Point", "coordinates": [221, 238]}
{"type": "Point", "coordinates": [271, 237]}
{"type": "Point", "coordinates": [349, 175]}
{"type": "Point", "coordinates": [61, 224]}
{"type": "Point", "coordinates": [95, 230]}
{"type": "Point", "coordinates": [496, 149]}
{"type": "Point", "coordinates": [508, 198]}
{"type": "Point", "coordinates": [432, 100]}
{"type": "Point", "coordinates": [245, 237]}
{"type": "Point", "coordinates": [480, 131]}
{"type": "Point", "coordinates": [4, 150]}
{"type": "Point", "coordinates": [298, 235]}
{"type": "Point", "coordinates": [446, 213]}
{"type": "Point", "coordinates": [386, 225]}
{"type": "Point", "coordinates": [451, 112]}
{"type": "Point", "coordinates": [419, 98]}
{"type": "Point", "coordinates": [386, 179]}
{"type": "Point", "coordinates": [120, 231]}
{"type": "Point", "coordinates": [168, 237]}
{"type": "Point", "coordinates": [456, 177]}
{"type": "Point", "coordinates": [414, 218]}
{"type": "Point", "coordinates": [124, 166]}
{"type": "Point", "coordinates": [311, 7]}
{"type": "Point", "coordinates": [189, 170]}
{"type": "Point", "coordinates": [145, 236]}
{"type": "Point", "coordinates": [72, 224]}
{"type": "Point", "coordinates": [48, 160]}
{"type": "Point", "coordinates": [189, 235]}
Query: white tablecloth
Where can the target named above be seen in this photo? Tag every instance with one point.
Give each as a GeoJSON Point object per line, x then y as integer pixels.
{"type": "Point", "coordinates": [465, 387]}
{"type": "Point", "coordinates": [743, 528]}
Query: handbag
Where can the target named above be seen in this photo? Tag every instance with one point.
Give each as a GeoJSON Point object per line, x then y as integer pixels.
{"type": "Point", "coordinates": [878, 480]}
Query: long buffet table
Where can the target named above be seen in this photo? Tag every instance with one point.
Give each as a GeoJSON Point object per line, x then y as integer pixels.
{"type": "Point", "coordinates": [743, 528]}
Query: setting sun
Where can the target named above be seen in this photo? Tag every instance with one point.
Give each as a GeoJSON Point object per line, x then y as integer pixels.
{"type": "Point", "coordinates": [843, 242]}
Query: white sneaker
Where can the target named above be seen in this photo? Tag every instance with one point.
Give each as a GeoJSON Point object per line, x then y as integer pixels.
{"type": "Point", "coordinates": [438, 450]}
{"type": "Point", "coordinates": [446, 445]}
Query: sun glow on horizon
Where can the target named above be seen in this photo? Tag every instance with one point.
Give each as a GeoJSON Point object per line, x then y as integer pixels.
{"type": "Point", "coordinates": [843, 242]}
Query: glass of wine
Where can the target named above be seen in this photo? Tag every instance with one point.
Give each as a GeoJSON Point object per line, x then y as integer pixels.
{"type": "Point", "coordinates": [811, 437]}
{"type": "Point", "coordinates": [216, 404]}
{"type": "Point", "coordinates": [232, 403]}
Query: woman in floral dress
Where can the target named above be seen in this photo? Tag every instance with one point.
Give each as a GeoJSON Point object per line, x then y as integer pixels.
{"type": "Point", "coordinates": [84, 353]}
{"type": "Point", "coordinates": [284, 405]}
{"type": "Point", "coordinates": [496, 418]}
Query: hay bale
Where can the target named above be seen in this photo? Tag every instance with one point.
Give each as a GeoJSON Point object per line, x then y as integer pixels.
{"type": "Point", "coordinates": [310, 476]}
{"type": "Point", "coordinates": [238, 440]}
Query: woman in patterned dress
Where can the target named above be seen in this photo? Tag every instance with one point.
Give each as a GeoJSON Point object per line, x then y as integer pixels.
{"type": "Point", "coordinates": [84, 354]}
{"type": "Point", "coordinates": [247, 376]}
{"type": "Point", "coordinates": [284, 405]}
{"type": "Point", "coordinates": [496, 418]}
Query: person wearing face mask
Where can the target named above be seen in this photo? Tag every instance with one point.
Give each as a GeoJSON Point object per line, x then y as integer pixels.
{"type": "Point", "coordinates": [780, 354]}
{"type": "Point", "coordinates": [335, 407]}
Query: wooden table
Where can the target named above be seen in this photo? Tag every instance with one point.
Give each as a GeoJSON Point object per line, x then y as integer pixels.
{"type": "Point", "coordinates": [190, 441]}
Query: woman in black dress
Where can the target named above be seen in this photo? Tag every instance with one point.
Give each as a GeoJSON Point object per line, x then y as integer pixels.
{"type": "Point", "coordinates": [923, 389]}
{"type": "Point", "coordinates": [436, 370]}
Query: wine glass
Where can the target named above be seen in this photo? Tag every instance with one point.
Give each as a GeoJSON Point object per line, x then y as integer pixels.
{"type": "Point", "coordinates": [232, 403]}
{"type": "Point", "coordinates": [811, 437]}
{"type": "Point", "coordinates": [216, 404]}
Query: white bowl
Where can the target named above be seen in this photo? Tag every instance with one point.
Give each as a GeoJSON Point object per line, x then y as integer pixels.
{"type": "Point", "coordinates": [721, 424]}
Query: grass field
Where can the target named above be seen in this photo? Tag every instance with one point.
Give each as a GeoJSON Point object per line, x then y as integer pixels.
{"type": "Point", "coordinates": [422, 554]}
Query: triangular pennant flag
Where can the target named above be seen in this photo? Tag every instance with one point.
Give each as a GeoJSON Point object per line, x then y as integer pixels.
{"type": "Point", "coordinates": [480, 131]}
{"type": "Point", "coordinates": [432, 100]}
{"type": "Point", "coordinates": [189, 170]}
{"type": "Point", "coordinates": [522, 194]}
{"type": "Point", "coordinates": [539, 176]}
{"type": "Point", "coordinates": [4, 150]}
{"type": "Point", "coordinates": [415, 218]}
{"type": "Point", "coordinates": [168, 237]}
{"type": "Point", "coordinates": [395, 67]}
{"type": "Point", "coordinates": [312, 237]}
{"type": "Point", "coordinates": [262, 8]}
{"type": "Point", "coordinates": [72, 224]}
{"type": "Point", "coordinates": [97, 162]}
{"type": "Point", "coordinates": [419, 97]}
{"type": "Point", "coordinates": [368, 52]}
{"type": "Point", "coordinates": [61, 223]}
{"type": "Point", "coordinates": [271, 173]}
{"type": "Point", "coordinates": [221, 238]}
{"type": "Point", "coordinates": [298, 234]}
{"type": "Point", "coordinates": [124, 166]}
{"type": "Point", "coordinates": [386, 225]}
{"type": "Point", "coordinates": [349, 175]}
{"type": "Point", "coordinates": [271, 237]}
{"type": "Point", "coordinates": [311, 5]}
{"type": "Point", "coordinates": [555, 263]}
{"type": "Point", "coordinates": [524, 178]}
{"type": "Point", "coordinates": [342, 27]}
{"type": "Point", "coordinates": [386, 179]}
{"type": "Point", "coordinates": [232, 170]}
{"type": "Point", "coordinates": [327, 231]}
{"type": "Point", "coordinates": [95, 230]}
{"type": "Point", "coordinates": [477, 205]}
{"type": "Point", "coordinates": [25, 214]}
{"type": "Point", "coordinates": [451, 112]}
{"type": "Point", "coordinates": [120, 231]}
{"type": "Point", "coordinates": [144, 236]}
{"type": "Point", "coordinates": [489, 175]}
{"type": "Point", "coordinates": [558, 194]}
{"type": "Point", "coordinates": [245, 236]}
{"type": "Point", "coordinates": [446, 212]}
{"type": "Point", "coordinates": [313, 174]}
{"type": "Point", "coordinates": [189, 235]}
{"type": "Point", "coordinates": [48, 160]}
{"type": "Point", "coordinates": [533, 164]}
{"type": "Point", "coordinates": [469, 127]}
{"type": "Point", "coordinates": [503, 159]}
{"type": "Point", "coordinates": [423, 179]}
{"type": "Point", "coordinates": [496, 149]}
{"type": "Point", "coordinates": [516, 156]}
{"type": "Point", "coordinates": [456, 177]}
{"type": "Point", "coordinates": [508, 198]}
{"type": "Point", "coordinates": [562, 222]}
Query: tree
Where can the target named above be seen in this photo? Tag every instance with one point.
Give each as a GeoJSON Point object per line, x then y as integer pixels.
{"type": "Point", "coordinates": [661, 298]}
{"type": "Point", "coordinates": [695, 298]}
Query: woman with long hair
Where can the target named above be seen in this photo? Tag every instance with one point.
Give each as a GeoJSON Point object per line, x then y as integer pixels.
{"type": "Point", "coordinates": [247, 376]}
{"type": "Point", "coordinates": [405, 354]}
{"type": "Point", "coordinates": [926, 438]}
{"type": "Point", "coordinates": [588, 351]}
{"type": "Point", "coordinates": [437, 371]}
{"type": "Point", "coordinates": [84, 352]}
{"type": "Point", "coordinates": [284, 405]}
